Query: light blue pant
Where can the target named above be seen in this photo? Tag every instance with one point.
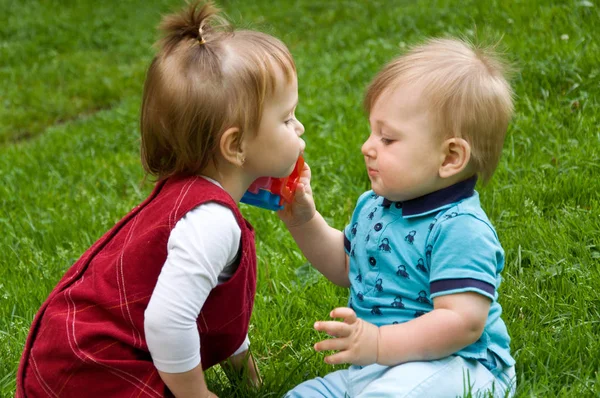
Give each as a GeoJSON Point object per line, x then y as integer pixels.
{"type": "Point", "coordinates": [453, 376]}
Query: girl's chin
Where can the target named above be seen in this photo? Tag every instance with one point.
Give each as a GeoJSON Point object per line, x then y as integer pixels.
{"type": "Point", "coordinates": [285, 173]}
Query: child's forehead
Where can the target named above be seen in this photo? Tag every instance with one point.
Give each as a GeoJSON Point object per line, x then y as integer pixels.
{"type": "Point", "coordinates": [283, 95]}
{"type": "Point", "coordinates": [404, 108]}
{"type": "Point", "coordinates": [402, 96]}
{"type": "Point", "coordinates": [283, 74]}
{"type": "Point", "coordinates": [281, 78]}
{"type": "Point", "coordinates": [409, 91]}
{"type": "Point", "coordinates": [284, 82]}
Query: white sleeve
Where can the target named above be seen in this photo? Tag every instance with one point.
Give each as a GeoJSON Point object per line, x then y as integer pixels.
{"type": "Point", "coordinates": [244, 347]}
{"type": "Point", "coordinates": [200, 246]}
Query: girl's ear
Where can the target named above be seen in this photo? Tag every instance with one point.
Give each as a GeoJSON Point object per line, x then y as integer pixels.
{"type": "Point", "coordinates": [456, 157]}
{"type": "Point", "coordinates": [230, 146]}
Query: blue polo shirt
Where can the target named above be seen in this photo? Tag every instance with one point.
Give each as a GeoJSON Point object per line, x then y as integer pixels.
{"type": "Point", "coordinates": [404, 254]}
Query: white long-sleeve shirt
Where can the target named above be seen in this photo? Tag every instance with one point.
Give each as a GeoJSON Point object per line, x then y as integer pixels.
{"type": "Point", "coordinates": [201, 253]}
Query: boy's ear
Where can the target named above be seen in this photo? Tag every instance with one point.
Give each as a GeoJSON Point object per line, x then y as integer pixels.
{"type": "Point", "coordinates": [230, 146]}
{"type": "Point", "coordinates": [456, 157]}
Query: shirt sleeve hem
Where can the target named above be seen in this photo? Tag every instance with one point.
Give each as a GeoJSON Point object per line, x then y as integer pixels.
{"type": "Point", "coordinates": [244, 347]}
{"type": "Point", "coordinates": [462, 290]}
{"type": "Point", "coordinates": [347, 244]}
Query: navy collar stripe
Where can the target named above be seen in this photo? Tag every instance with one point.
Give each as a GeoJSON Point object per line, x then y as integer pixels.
{"type": "Point", "coordinates": [453, 193]}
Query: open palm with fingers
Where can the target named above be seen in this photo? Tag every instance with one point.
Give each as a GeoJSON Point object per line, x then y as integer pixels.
{"type": "Point", "coordinates": [355, 339]}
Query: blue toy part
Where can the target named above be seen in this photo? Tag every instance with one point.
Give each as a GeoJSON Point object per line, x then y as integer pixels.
{"type": "Point", "coordinates": [263, 199]}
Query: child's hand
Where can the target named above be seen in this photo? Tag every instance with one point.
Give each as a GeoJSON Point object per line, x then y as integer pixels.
{"type": "Point", "coordinates": [356, 340]}
{"type": "Point", "coordinates": [302, 209]}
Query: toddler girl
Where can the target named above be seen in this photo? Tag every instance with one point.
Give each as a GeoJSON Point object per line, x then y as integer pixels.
{"type": "Point", "coordinates": [168, 291]}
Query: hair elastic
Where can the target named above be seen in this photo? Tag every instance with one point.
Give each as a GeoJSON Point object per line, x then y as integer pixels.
{"type": "Point", "coordinates": [201, 40]}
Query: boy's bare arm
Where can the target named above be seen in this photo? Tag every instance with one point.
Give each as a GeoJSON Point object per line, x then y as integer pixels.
{"type": "Point", "coordinates": [323, 247]}
{"type": "Point", "coordinates": [457, 321]}
{"type": "Point", "coordinates": [321, 244]}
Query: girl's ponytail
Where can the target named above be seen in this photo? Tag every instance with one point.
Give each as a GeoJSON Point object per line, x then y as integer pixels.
{"type": "Point", "coordinates": [197, 22]}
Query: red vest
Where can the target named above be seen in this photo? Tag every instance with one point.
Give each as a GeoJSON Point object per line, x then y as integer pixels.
{"type": "Point", "coordinates": [88, 339]}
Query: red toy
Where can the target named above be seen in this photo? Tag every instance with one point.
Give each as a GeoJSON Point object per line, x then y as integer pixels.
{"type": "Point", "coordinates": [270, 193]}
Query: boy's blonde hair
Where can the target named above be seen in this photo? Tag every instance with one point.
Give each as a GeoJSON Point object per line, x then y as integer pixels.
{"type": "Point", "coordinates": [205, 79]}
{"type": "Point", "coordinates": [466, 89]}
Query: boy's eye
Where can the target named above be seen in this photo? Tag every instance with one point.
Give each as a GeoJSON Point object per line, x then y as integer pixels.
{"type": "Point", "coordinates": [386, 141]}
{"type": "Point", "coordinates": [289, 121]}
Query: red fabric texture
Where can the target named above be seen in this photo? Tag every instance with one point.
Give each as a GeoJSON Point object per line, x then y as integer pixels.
{"type": "Point", "coordinates": [88, 339]}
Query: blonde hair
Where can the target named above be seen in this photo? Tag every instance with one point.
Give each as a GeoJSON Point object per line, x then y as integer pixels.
{"type": "Point", "coordinates": [466, 89]}
{"type": "Point", "coordinates": [206, 78]}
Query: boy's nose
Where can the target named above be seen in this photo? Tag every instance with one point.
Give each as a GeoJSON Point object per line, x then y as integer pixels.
{"type": "Point", "coordinates": [367, 148]}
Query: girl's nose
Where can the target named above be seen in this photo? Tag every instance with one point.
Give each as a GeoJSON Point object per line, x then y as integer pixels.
{"type": "Point", "coordinates": [299, 132]}
{"type": "Point", "coordinates": [299, 128]}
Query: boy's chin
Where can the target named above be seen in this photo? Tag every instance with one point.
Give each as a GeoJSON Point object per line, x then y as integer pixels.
{"type": "Point", "coordinates": [388, 195]}
{"type": "Point", "coordinates": [377, 192]}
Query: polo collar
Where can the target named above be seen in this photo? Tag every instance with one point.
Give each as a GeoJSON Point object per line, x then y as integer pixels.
{"type": "Point", "coordinates": [434, 200]}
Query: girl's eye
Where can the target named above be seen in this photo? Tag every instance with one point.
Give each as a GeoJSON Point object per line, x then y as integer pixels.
{"type": "Point", "coordinates": [287, 122]}
{"type": "Point", "coordinates": [386, 141]}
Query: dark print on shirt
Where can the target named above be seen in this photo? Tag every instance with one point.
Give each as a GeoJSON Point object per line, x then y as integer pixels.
{"type": "Point", "coordinates": [432, 224]}
{"type": "Point", "coordinates": [374, 195]}
{"type": "Point", "coordinates": [418, 314]}
{"type": "Point", "coordinates": [402, 271]}
{"type": "Point", "coordinates": [398, 302]}
{"type": "Point", "coordinates": [410, 238]}
{"type": "Point", "coordinates": [378, 227]}
{"type": "Point", "coordinates": [423, 297]}
{"type": "Point", "coordinates": [428, 250]}
{"type": "Point", "coordinates": [358, 277]}
{"type": "Point", "coordinates": [360, 296]}
{"type": "Point", "coordinates": [451, 215]}
{"type": "Point", "coordinates": [367, 238]}
{"type": "Point", "coordinates": [379, 285]}
{"type": "Point", "coordinates": [352, 252]}
{"type": "Point", "coordinates": [376, 310]}
{"type": "Point", "coordinates": [421, 266]}
{"type": "Point", "coordinates": [385, 245]}
{"type": "Point", "coordinates": [372, 213]}
{"type": "Point", "coordinates": [353, 229]}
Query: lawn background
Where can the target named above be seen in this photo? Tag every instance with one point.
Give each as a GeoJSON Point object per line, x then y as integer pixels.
{"type": "Point", "coordinates": [71, 74]}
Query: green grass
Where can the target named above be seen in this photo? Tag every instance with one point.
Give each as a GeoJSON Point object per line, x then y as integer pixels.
{"type": "Point", "coordinates": [71, 74]}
